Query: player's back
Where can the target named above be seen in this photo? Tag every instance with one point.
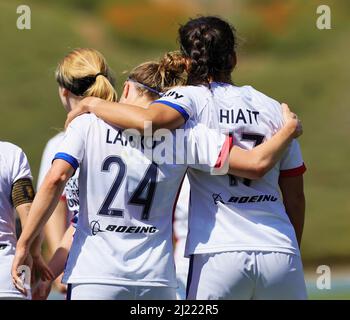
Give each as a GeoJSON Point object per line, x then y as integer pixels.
{"type": "Point", "coordinates": [124, 233]}
{"type": "Point", "coordinates": [242, 214]}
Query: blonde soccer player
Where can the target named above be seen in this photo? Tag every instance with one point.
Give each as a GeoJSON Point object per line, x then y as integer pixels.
{"type": "Point", "coordinates": [86, 61]}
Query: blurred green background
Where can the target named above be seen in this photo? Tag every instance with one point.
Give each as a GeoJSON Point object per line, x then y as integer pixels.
{"type": "Point", "coordinates": [281, 53]}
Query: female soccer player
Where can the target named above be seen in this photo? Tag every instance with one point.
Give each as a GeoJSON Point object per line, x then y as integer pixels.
{"type": "Point", "coordinates": [80, 62]}
{"type": "Point", "coordinates": [122, 248]}
{"type": "Point", "coordinates": [246, 221]}
{"type": "Point", "coordinates": [16, 192]}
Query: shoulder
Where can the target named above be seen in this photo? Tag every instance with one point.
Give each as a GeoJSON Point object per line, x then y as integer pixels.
{"type": "Point", "coordinates": [12, 155]}
{"type": "Point", "coordinates": [55, 141]}
{"type": "Point", "coordinates": [187, 92]}
{"type": "Point", "coordinates": [9, 148]}
{"type": "Point", "coordinates": [83, 122]}
{"type": "Point", "coordinates": [260, 99]}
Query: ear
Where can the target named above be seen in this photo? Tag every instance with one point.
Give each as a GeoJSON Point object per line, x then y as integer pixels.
{"type": "Point", "coordinates": [126, 90]}
{"type": "Point", "coordinates": [63, 91]}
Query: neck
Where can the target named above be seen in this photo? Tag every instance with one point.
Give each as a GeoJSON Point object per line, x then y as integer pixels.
{"type": "Point", "coordinates": [73, 102]}
{"type": "Point", "coordinates": [141, 101]}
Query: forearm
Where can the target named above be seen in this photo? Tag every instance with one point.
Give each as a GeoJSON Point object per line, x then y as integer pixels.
{"type": "Point", "coordinates": [296, 212]}
{"type": "Point", "coordinates": [127, 116]}
{"type": "Point", "coordinates": [42, 207]}
{"type": "Point", "coordinates": [292, 189]}
{"type": "Point", "coordinates": [270, 152]}
{"type": "Point", "coordinates": [55, 227]}
{"type": "Point", "coordinates": [58, 260]}
{"type": "Point", "coordinates": [122, 115]}
{"type": "Point", "coordinates": [255, 163]}
{"type": "Point", "coordinates": [35, 249]}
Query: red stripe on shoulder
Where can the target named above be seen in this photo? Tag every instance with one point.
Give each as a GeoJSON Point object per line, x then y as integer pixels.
{"type": "Point", "coordinates": [293, 172]}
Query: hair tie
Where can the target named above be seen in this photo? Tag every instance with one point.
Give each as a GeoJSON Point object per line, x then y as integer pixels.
{"type": "Point", "coordinates": [99, 74]}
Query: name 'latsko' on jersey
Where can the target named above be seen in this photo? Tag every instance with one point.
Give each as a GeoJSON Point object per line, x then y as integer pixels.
{"type": "Point", "coordinates": [124, 230]}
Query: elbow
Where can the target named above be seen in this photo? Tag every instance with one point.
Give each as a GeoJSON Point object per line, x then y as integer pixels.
{"type": "Point", "coordinates": [145, 124]}
{"type": "Point", "coordinates": [55, 180]}
{"type": "Point", "coordinates": [261, 169]}
{"type": "Point", "coordinates": [258, 170]}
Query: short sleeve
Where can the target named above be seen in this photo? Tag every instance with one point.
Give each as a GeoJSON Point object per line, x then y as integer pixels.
{"type": "Point", "coordinates": [20, 166]}
{"type": "Point", "coordinates": [47, 156]}
{"type": "Point", "coordinates": [180, 99]}
{"type": "Point", "coordinates": [209, 149]}
{"type": "Point", "coordinates": [292, 163]}
{"type": "Point", "coordinates": [72, 147]}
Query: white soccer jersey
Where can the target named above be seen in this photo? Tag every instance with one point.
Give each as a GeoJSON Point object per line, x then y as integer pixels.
{"type": "Point", "coordinates": [71, 190]}
{"type": "Point", "coordinates": [229, 213]}
{"type": "Point", "coordinates": [13, 166]}
{"type": "Point", "coordinates": [124, 231]}
{"type": "Point", "coordinates": [180, 234]}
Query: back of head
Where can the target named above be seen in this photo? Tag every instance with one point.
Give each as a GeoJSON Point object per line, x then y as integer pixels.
{"type": "Point", "coordinates": [209, 42]}
{"type": "Point", "coordinates": [85, 73]}
{"type": "Point", "coordinates": [158, 77]}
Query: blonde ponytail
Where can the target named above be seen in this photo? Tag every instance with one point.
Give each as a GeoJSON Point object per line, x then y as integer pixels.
{"type": "Point", "coordinates": [85, 73]}
{"type": "Point", "coordinates": [102, 88]}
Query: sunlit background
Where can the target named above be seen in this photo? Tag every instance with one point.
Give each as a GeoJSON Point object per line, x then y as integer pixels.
{"type": "Point", "coordinates": [281, 52]}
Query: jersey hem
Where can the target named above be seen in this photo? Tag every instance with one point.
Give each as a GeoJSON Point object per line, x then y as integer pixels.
{"type": "Point", "coordinates": [118, 282]}
{"type": "Point", "coordinates": [12, 294]}
{"type": "Point", "coordinates": [243, 248]}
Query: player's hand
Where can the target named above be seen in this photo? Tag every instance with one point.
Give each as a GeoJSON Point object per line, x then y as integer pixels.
{"type": "Point", "coordinates": [42, 290]}
{"type": "Point", "coordinates": [291, 120]}
{"type": "Point", "coordinates": [84, 106]}
{"type": "Point", "coordinates": [40, 266]}
{"type": "Point", "coordinates": [21, 262]}
{"type": "Point", "coordinates": [60, 287]}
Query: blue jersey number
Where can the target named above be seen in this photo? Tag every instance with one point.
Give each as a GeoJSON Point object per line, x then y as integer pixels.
{"type": "Point", "coordinates": [142, 196]}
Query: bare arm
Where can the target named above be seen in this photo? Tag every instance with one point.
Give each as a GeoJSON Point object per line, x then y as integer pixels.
{"type": "Point", "coordinates": [60, 256]}
{"type": "Point", "coordinates": [255, 163]}
{"type": "Point", "coordinates": [46, 200]}
{"type": "Point", "coordinates": [292, 189]}
{"type": "Point", "coordinates": [56, 265]}
{"type": "Point", "coordinates": [44, 203]}
{"type": "Point", "coordinates": [23, 211]}
{"type": "Point", "coordinates": [55, 227]}
{"type": "Point", "coordinates": [128, 116]}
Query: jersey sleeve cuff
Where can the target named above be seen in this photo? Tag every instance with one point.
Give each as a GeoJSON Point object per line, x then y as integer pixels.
{"type": "Point", "coordinates": [293, 172]}
{"type": "Point", "coordinates": [68, 158]}
{"type": "Point", "coordinates": [174, 106]}
{"type": "Point", "coordinates": [224, 153]}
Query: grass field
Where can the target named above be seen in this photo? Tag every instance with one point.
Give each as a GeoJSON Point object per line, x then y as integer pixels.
{"type": "Point", "coordinates": [282, 54]}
